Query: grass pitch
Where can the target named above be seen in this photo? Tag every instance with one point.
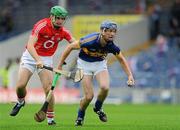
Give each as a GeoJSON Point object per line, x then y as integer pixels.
{"type": "Point", "coordinates": [120, 117]}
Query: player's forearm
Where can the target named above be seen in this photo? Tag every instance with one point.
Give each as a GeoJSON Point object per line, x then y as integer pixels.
{"type": "Point", "coordinates": [33, 52]}
{"type": "Point", "coordinates": [64, 56]}
{"type": "Point", "coordinates": [124, 64]}
{"type": "Point", "coordinates": [67, 51]}
{"type": "Point", "coordinates": [30, 47]}
{"type": "Point", "coordinates": [126, 68]}
{"type": "Point", "coordinates": [72, 40]}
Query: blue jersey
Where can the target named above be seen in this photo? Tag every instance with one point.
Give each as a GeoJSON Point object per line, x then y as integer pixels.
{"type": "Point", "coordinates": [92, 50]}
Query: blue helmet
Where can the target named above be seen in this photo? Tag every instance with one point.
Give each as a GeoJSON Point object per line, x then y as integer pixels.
{"type": "Point", "coordinates": [108, 25]}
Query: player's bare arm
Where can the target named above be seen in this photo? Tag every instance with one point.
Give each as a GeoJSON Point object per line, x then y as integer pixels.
{"type": "Point", "coordinates": [30, 47]}
{"type": "Point", "coordinates": [126, 68]}
{"type": "Point", "coordinates": [67, 51]}
{"type": "Point", "coordinates": [72, 40]}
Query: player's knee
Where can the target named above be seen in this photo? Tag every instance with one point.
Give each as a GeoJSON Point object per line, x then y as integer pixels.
{"type": "Point", "coordinates": [89, 97]}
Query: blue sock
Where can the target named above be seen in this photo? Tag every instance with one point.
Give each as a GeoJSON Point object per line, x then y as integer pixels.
{"type": "Point", "coordinates": [81, 113]}
{"type": "Point", "coordinates": [98, 104]}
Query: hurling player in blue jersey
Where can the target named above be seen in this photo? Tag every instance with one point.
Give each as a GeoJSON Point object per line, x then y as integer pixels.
{"type": "Point", "coordinates": [93, 51]}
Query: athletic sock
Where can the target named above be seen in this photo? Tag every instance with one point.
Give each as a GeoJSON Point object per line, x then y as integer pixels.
{"type": "Point", "coordinates": [50, 116]}
{"type": "Point", "coordinates": [21, 101]}
{"type": "Point", "coordinates": [81, 113]}
{"type": "Point", "coordinates": [98, 104]}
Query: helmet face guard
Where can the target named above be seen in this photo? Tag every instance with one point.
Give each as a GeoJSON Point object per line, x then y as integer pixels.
{"type": "Point", "coordinates": [58, 11]}
{"type": "Point", "coordinates": [108, 25]}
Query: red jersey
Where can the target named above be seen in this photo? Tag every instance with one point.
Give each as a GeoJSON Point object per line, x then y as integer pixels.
{"type": "Point", "coordinates": [48, 37]}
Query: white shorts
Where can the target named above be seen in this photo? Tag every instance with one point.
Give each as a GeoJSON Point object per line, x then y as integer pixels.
{"type": "Point", "coordinates": [28, 62]}
{"type": "Point", "coordinates": [91, 68]}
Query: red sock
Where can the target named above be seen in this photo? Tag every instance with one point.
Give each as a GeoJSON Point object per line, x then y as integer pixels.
{"type": "Point", "coordinates": [50, 115]}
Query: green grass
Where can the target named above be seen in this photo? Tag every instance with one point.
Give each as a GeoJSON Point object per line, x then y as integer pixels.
{"type": "Point", "coordinates": [120, 117]}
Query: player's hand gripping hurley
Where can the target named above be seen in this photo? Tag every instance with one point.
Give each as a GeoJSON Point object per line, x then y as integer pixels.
{"type": "Point", "coordinates": [75, 75]}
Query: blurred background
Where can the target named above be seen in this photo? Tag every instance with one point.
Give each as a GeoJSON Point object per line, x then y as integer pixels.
{"type": "Point", "coordinates": [148, 35]}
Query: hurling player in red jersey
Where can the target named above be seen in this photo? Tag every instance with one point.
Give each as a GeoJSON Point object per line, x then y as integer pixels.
{"type": "Point", "coordinates": [42, 44]}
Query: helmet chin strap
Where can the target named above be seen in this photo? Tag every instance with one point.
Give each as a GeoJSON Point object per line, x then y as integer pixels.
{"type": "Point", "coordinates": [55, 26]}
{"type": "Point", "coordinates": [53, 19]}
{"type": "Point", "coordinates": [102, 35]}
{"type": "Point", "coordinates": [103, 31]}
{"type": "Point", "coordinates": [103, 41]}
{"type": "Point", "coordinates": [53, 22]}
